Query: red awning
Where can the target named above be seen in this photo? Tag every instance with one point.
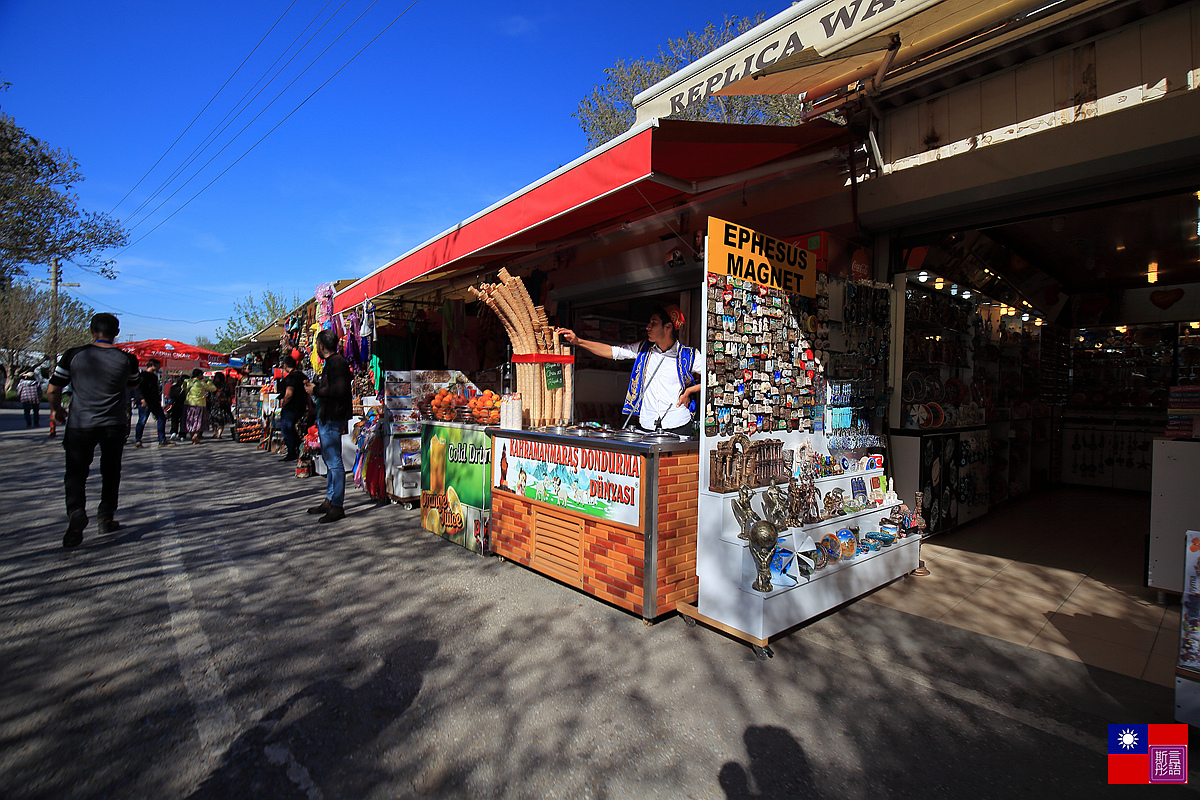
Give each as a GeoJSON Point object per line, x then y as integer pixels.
{"type": "Point", "coordinates": [619, 181]}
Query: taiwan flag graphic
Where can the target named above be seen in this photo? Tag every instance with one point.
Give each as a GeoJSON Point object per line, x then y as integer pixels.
{"type": "Point", "coordinates": [1147, 753]}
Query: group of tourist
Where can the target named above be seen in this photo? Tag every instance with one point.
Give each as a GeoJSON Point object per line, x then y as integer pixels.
{"type": "Point", "coordinates": [101, 376]}
{"type": "Point", "coordinates": [194, 404]}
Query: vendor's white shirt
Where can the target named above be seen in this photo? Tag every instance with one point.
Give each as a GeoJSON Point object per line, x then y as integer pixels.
{"type": "Point", "coordinates": [660, 395]}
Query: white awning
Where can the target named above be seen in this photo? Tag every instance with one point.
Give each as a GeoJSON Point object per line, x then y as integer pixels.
{"type": "Point", "coordinates": [816, 47]}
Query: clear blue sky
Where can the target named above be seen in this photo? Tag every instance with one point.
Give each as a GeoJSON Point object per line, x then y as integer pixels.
{"type": "Point", "coordinates": [453, 108]}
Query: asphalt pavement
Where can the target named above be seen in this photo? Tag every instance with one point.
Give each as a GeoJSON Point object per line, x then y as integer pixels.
{"type": "Point", "coordinates": [224, 645]}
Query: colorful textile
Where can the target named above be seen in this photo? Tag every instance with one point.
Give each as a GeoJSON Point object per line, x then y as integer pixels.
{"type": "Point", "coordinates": [197, 420]}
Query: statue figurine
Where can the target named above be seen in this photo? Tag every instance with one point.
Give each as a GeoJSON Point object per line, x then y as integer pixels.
{"type": "Point", "coordinates": [775, 505]}
{"type": "Point", "coordinates": [763, 539]}
{"type": "Point", "coordinates": [744, 512]}
{"type": "Point", "coordinates": [834, 500]}
{"type": "Point", "coordinates": [917, 525]}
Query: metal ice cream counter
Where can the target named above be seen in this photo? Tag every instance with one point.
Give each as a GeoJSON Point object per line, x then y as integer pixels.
{"type": "Point", "coordinates": [611, 513]}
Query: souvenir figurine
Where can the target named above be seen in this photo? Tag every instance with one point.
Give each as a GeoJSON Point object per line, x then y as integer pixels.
{"type": "Point", "coordinates": [763, 538]}
{"type": "Point", "coordinates": [775, 505]}
{"type": "Point", "coordinates": [917, 523]}
{"type": "Point", "coordinates": [834, 501]}
{"type": "Point", "coordinates": [743, 511]}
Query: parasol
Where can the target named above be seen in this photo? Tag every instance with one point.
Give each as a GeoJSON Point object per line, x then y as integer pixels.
{"type": "Point", "coordinates": [175, 355]}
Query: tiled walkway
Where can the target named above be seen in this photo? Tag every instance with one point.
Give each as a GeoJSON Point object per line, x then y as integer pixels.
{"type": "Point", "coordinates": [1059, 571]}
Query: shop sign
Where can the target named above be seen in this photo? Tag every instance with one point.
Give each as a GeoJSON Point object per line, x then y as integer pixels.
{"type": "Point", "coordinates": [824, 28]}
{"type": "Point", "coordinates": [740, 252]}
{"type": "Point", "coordinates": [599, 483]}
{"type": "Point", "coordinates": [554, 377]}
{"type": "Point", "coordinates": [456, 479]}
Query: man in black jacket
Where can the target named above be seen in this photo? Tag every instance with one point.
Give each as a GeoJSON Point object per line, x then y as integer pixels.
{"type": "Point", "coordinates": [150, 402]}
{"type": "Point", "coordinates": [332, 391]}
{"type": "Point", "coordinates": [102, 376]}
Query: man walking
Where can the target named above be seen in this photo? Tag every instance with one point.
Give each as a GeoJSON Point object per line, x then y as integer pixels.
{"type": "Point", "coordinates": [332, 389]}
{"type": "Point", "coordinates": [293, 402]}
{"type": "Point", "coordinates": [150, 402]}
{"type": "Point", "coordinates": [30, 395]}
{"type": "Point", "coordinates": [101, 376]}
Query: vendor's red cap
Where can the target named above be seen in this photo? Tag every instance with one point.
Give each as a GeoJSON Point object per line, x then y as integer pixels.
{"type": "Point", "coordinates": [676, 316]}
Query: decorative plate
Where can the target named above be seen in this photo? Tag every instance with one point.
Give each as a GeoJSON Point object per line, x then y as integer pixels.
{"type": "Point", "coordinates": [849, 543]}
{"type": "Point", "coordinates": [832, 548]}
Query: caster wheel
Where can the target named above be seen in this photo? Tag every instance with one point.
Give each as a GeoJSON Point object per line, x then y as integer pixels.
{"type": "Point", "coordinates": [691, 623]}
{"type": "Point", "coordinates": [762, 653]}
{"type": "Point", "coordinates": [648, 623]}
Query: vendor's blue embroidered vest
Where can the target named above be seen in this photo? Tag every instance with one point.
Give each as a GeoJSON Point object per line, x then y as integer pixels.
{"type": "Point", "coordinates": [637, 378]}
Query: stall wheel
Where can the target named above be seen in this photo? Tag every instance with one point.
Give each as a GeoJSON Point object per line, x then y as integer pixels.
{"type": "Point", "coordinates": [691, 623]}
{"type": "Point", "coordinates": [648, 623]}
{"type": "Point", "coordinates": [762, 653]}
{"type": "Point", "coordinates": [410, 505]}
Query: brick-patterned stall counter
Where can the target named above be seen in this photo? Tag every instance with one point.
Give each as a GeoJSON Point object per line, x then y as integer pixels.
{"type": "Point", "coordinates": [613, 518]}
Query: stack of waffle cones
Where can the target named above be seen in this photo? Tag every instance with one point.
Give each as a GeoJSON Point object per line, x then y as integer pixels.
{"type": "Point", "coordinates": [530, 334]}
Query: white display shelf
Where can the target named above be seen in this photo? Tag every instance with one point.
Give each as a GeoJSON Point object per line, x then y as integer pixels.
{"type": "Point", "coordinates": [815, 529]}
{"type": "Point", "coordinates": [750, 569]}
{"type": "Point", "coordinates": [726, 571]}
{"type": "Point", "coordinates": [823, 481]}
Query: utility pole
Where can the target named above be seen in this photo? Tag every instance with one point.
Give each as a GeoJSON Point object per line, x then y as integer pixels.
{"type": "Point", "coordinates": [53, 314]}
{"type": "Point", "coordinates": [54, 270]}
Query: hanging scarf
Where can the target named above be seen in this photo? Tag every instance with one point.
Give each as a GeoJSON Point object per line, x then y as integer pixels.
{"type": "Point", "coordinates": [637, 378]}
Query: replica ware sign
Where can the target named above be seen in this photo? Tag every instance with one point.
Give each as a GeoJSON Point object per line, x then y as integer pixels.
{"type": "Point", "coordinates": [739, 252]}
{"type": "Point", "coordinates": [599, 483]}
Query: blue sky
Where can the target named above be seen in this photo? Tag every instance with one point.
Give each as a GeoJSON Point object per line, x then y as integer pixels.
{"type": "Point", "coordinates": [454, 107]}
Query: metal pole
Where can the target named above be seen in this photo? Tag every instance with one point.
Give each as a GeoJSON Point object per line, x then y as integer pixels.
{"type": "Point", "coordinates": [53, 314]}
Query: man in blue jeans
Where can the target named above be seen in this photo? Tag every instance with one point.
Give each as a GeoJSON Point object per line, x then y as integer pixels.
{"type": "Point", "coordinates": [150, 402]}
{"type": "Point", "coordinates": [293, 403]}
{"type": "Point", "coordinates": [332, 391]}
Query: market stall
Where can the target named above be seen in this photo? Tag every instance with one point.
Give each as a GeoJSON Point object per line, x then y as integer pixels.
{"type": "Point", "coordinates": [612, 514]}
{"type": "Point", "coordinates": [794, 508]}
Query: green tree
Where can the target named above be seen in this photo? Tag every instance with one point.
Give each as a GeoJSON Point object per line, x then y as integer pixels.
{"type": "Point", "coordinates": [25, 327]}
{"type": "Point", "coordinates": [251, 315]}
{"type": "Point", "coordinates": [608, 111]}
{"type": "Point", "coordinates": [205, 342]}
{"type": "Point", "coordinates": [40, 209]}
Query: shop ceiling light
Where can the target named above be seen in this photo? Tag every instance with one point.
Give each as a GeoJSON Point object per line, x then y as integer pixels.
{"type": "Point", "coordinates": [966, 294]}
{"type": "Point", "coordinates": [1152, 272]}
{"type": "Point", "coordinates": [923, 276]}
{"type": "Point", "coordinates": [954, 288]}
{"type": "Point", "coordinates": [1037, 321]}
{"type": "Point", "coordinates": [1025, 318]}
{"type": "Point", "coordinates": [938, 283]}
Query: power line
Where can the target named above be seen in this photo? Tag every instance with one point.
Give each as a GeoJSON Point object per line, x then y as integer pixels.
{"type": "Point", "coordinates": [222, 125]}
{"type": "Point", "coordinates": [264, 110]}
{"type": "Point", "coordinates": [201, 112]}
{"type": "Point", "coordinates": [272, 130]}
{"type": "Point", "coordinates": [96, 303]}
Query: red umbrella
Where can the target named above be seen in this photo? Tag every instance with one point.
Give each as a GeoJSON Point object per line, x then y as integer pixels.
{"type": "Point", "coordinates": [175, 355]}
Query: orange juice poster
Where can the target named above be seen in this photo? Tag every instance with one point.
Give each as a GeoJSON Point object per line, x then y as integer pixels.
{"type": "Point", "coordinates": [456, 472]}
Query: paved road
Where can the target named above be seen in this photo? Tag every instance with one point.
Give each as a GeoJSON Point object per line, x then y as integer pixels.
{"type": "Point", "coordinates": [222, 645]}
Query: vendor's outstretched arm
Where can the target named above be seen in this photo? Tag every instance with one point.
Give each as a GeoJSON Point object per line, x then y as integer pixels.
{"type": "Point", "coordinates": [595, 348]}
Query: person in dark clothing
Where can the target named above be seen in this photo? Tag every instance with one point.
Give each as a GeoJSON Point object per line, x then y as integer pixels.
{"type": "Point", "coordinates": [150, 402]}
{"type": "Point", "coordinates": [101, 376]}
{"type": "Point", "coordinates": [332, 390]}
{"type": "Point", "coordinates": [293, 403]}
{"type": "Point", "coordinates": [178, 407]}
